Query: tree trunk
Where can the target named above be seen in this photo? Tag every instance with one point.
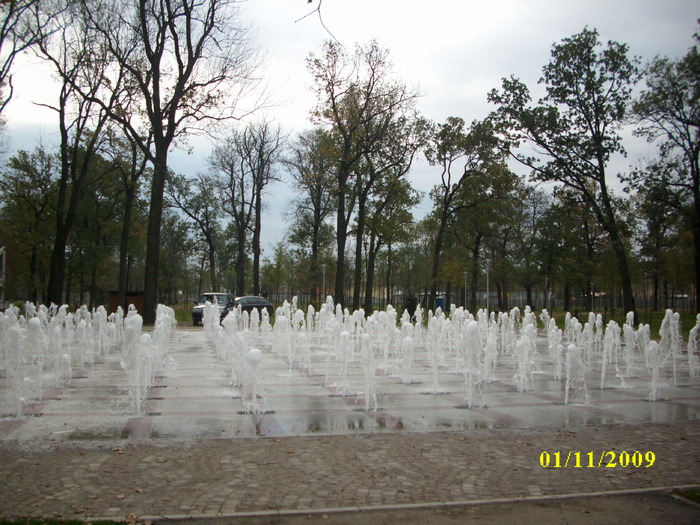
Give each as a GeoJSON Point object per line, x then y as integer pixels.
{"type": "Point", "coordinates": [200, 282]}
{"type": "Point", "coordinates": [317, 272]}
{"type": "Point", "coordinates": [124, 246]}
{"type": "Point", "coordinates": [655, 291]}
{"type": "Point", "coordinates": [69, 288]}
{"type": "Point", "coordinates": [359, 234]}
{"type": "Point", "coordinates": [256, 241]}
{"type": "Point", "coordinates": [34, 296]}
{"type": "Point", "coordinates": [155, 216]}
{"type": "Point", "coordinates": [212, 264]}
{"type": "Point", "coordinates": [240, 263]}
{"type": "Point", "coordinates": [609, 223]}
{"type": "Point", "coordinates": [437, 251]}
{"type": "Point", "coordinates": [93, 285]}
{"type": "Point", "coordinates": [628, 301]}
{"type": "Point", "coordinates": [57, 266]}
{"type": "Point", "coordinates": [389, 298]}
{"type": "Point", "coordinates": [696, 240]}
{"type": "Point", "coordinates": [369, 286]}
{"type": "Point", "coordinates": [341, 239]}
{"type": "Point", "coordinates": [475, 271]}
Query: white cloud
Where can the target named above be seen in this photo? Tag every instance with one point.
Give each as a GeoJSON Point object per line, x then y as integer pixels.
{"type": "Point", "coordinates": [456, 52]}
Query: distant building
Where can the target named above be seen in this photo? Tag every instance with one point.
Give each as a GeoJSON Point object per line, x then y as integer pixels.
{"type": "Point", "coordinates": [135, 298]}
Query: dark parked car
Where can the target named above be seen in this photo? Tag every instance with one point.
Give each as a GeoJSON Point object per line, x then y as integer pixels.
{"type": "Point", "coordinates": [222, 300]}
{"type": "Point", "coordinates": [249, 302]}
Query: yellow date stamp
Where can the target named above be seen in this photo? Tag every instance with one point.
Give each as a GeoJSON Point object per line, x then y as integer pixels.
{"type": "Point", "coordinates": [603, 459]}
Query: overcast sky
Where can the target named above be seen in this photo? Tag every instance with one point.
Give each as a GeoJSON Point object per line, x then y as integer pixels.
{"type": "Point", "coordinates": [455, 51]}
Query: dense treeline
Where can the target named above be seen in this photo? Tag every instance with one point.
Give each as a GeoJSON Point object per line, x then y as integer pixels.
{"type": "Point", "coordinates": [104, 211]}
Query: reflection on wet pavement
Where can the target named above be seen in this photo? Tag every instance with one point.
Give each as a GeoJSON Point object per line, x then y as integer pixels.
{"type": "Point", "coordinates": [194, 399]}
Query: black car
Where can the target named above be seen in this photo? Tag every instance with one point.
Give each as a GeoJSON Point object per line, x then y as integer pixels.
{"type": "Point", "coordinates": [248, 302]}
{"type": "Point", "coordinates": [222, 300]}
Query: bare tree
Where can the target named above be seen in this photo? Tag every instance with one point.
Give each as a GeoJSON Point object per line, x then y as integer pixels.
{"type": "Point", "coordinates": [15, 37]}
{"type": "Point", "coordinates": [244, 165]}
{"type": "Point", "coordinates": [260, 148]}
{"type": "Point", "coordinates": [191, 63]}
{"type": "Point", "coordinates": [238, 196]}
{"type": "Point", "coordinates": [669, 112]}
{"type": "Point", "coordinates": [63, 40]}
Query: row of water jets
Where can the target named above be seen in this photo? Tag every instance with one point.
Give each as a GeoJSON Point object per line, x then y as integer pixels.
{"type": "Point", "coordinates": [45, 347]}
{"type": "Point", "coordinates": [454, 342]}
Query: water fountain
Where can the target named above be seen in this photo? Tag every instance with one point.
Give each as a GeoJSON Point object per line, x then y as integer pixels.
{"type": "Point", "coordinates": [575, 390]}
{"type": "Point", "coordinates": [354, 347]}
{"type": "Point", "coordinates": [693, 364]}
{"type": "Point", "coordinates": [473, 371]}
{"type": "Point", "coordinates": [47, 345]}
{"type": "Point", "coordinates": [654, 359]}
{"type": "Point", "coordinates": [252, 382]}
{"type": "Point", "coordinates": [473, 345]}
{"type": "Point", "coordinates": [369, 369]}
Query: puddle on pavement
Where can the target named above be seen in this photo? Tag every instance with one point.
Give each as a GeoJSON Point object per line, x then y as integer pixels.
{"type": "Point", "coordinates": [94, 434]}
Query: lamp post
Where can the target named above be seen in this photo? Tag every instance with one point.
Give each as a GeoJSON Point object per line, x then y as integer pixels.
{"type": "Point", "coordinates": [465, 290]}
{"type": "Point", "coordinates": [323, 289]}
{"type": "Point", "coordinates": [546, 291]}
{"type": "Point", "coordinates": [487, 262]}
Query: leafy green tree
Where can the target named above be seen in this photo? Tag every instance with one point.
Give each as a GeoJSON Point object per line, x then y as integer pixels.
{"type": "Point", "coordinates": [486, 212]}
{"type": "Point", "coordinates": [383, 168]}
{"type": "Point", "coordinates": [534, 205]}
{"type": "Point", "coordinates": [131, 165]}
{"type": "Point", "coordinates": [27, 198]}
{"type": "Point", "coordinates": [198, 199]}
{"type": "Point", "coordinates": [575, 128]}
{"type": "Point", "coordinates": [310, 162]}
{"type": "Point", "coordinates": [658, 234]}
{"type": "Point", "coordinates": [276, 272]}
{"type": "Point", "coordinates": [569, 245]}
{"type": "Point", "coordinates": [389, 221]}
{"type": "Point", "coordinates": [668, 110]}
{"type": "Point", "coordinates": [95, 237]}
{"type": "Point", "coordinates": [357, 98]}
{"type": "Point", "coordinates": [178, 247]}
{"type": "Point", "coordinates": [466, 158]}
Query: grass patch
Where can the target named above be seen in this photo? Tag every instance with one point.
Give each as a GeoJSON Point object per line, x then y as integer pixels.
{"type": "Point", "coordinates": [39, 521]}
{"type": "Point", "coordinates": [691, 494]}
{"type": "Point", "coordinates": [183, 314]}
{"type": "Point", "coordinates": [53, 521]}
{"type": "Point", "coordinates": [653, 319]}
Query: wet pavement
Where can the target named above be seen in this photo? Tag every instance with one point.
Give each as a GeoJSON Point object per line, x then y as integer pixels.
{"type": "Point", "coordinates": [196, 452]}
